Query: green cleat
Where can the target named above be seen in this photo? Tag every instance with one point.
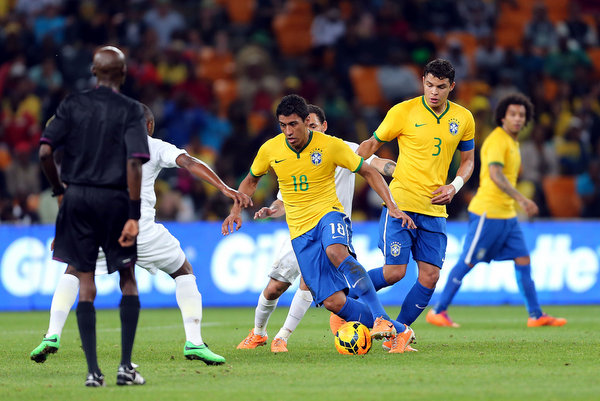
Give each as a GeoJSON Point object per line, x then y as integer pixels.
{"type": "Point", "coordinates": [49, 345]}
{"type": "Point", "coordinates": [201, 352]}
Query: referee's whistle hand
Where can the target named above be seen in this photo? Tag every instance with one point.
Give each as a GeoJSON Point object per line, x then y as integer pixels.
{"type": "Point", "coordinates": [129, 233]}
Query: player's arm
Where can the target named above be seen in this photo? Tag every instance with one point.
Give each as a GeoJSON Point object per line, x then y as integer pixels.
{"type": "Point", "coordinates": [376, 181]}
{"type": "Point", "coordinates": [201, 170]}
{"type": "Point", "coordinates": [444, 194]}
{"type": "Point", "coordinates": [275, 210]}
{"type": "Point", "coordinates": [367, 148]}
{"type": "Point", "coordinates": [134, 184]}
{"type": "Point", "coordinates": [50, 171]}
{"type": "Point", "coordinates": [498, 177]}
{"type": "Point", "coordinates": [234, 220]}
{"type": "Point", "coordinates": [383, 166]}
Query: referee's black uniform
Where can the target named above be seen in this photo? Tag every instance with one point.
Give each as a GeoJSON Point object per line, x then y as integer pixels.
{"type": "Point", "coordinates": [99, 130]}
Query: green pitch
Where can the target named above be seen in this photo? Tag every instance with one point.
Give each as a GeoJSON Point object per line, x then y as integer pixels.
{"type": "Point", "coordinates": [493, 356]}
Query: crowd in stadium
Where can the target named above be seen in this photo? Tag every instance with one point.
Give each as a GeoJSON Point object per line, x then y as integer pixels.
{"type": "Point", "coordinates": [212, 71]}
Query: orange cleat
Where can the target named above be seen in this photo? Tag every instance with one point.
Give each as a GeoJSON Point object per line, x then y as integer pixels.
{"type": "Point", "coordinates": [401, 342]}
{"type": "Point", "coordinates": [279, 345]}
{"type": "Point", "coordinates": [546, 320]}
{"type": "Point", "coordinates": [387, 345]}
{"type": "Point", "coordinates": [440, 319]}
{"type": "Point", "coordinates": [252, 341]}
{"type": "Point", "coordinates": [335, 322]}
{"type": "Point", "coordinates": [382, 329]}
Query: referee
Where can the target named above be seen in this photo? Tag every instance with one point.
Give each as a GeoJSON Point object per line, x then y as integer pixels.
{"type": "Point", "coordinates": [103, 136]}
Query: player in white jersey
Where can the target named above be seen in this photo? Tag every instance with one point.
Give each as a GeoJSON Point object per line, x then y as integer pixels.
{"type": "Point", "coordinates": [285, 268]}
{"type": "Point", "coordinates": [157, 249]}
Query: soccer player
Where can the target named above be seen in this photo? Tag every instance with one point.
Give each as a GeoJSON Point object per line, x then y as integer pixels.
{"type": "Point", "coordinates": [428, 129]}
{"type": "Point", "coordinates": [285, 268]}
{"type": "Point", "coordinates": [157, 250]}
{"type": "Point", "coordinates": [494, 232]}
{"type": "Point", "coordinates": [104, 140]}
{"type": "Point", "coordinates": [305, 162]}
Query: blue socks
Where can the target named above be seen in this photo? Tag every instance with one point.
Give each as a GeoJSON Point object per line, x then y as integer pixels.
{"type": "Point", "coordinates": [415, 302]}
{"type": "Point", "coordinates": [377, 279]}
{"type": "Point", "coordinates": [527, 289]}
{"type": "Point", "coordinates": [360, 282]}
{"type": "Point", "coordinates": [453, 284]}
{"type": "Point", "coordinates": [354, 310]}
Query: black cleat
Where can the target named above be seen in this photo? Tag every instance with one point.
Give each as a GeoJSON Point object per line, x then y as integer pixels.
{"type": "Point", "coordinates": [127, 376]}
{"type": "Point", "coordinates": [94, 380]}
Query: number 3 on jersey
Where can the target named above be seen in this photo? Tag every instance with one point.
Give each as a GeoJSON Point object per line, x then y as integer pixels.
{"type": "Point", "coordinates": [437, 146]}
{"type": "Point", "coordinates": [300, 182]}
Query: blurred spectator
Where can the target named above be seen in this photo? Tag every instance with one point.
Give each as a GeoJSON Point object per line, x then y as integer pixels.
{"type": "Point", "coordinates": [489, 58]}
{"type": "Point", "coordinates": [164, 20]}
{"type": "Point", "coordinates": [562, 62]}
{"type": "Point", "coordinates": [571, 150]}
{"type": "Point", "coordinates": [46, 77]}
{"type": "Point", "coordinates": [454, 53]}
{"type": "Point", "coordinates": [478, 17]}
{"type": "Point", "coordinates": [588, 188]}
{"type": "Point", "coordinates": [540, 30]}
{"type": "Point", "coordinates": [442, 15]}
{"type": "Point", "coordinates": [327, 28]}
{"type": "Point", "coordinates": [50, 22]}
{"type": "Point", "coordinates": [576, 28]}
{"type": "Point", "coordinates": [398, 82]}
{"type": "Point", "coordinates": [22, 174]}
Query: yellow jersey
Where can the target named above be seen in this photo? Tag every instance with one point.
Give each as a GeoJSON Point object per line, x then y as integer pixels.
{"type": "Point", "coordinates": [498, 148]}
{"type": "Point", "coordinates": [426, 145]}
{"type": "Point", "coordinates": [306, 178]}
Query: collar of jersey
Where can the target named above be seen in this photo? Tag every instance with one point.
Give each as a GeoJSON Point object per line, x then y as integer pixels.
{"type": "Point", "coordinates": [433, 112]}
{"type": "Point", "coordinates": [310, 135]}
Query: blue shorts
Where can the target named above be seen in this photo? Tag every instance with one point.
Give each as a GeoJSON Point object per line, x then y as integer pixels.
{"type": "Point", "coordinates": [320, 275]}
{"type": "Point", "coordinates": [493, 239]}
{"type": "Point", "coordinates": [427, 242]}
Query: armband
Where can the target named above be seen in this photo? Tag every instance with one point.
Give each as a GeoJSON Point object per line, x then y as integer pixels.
{"type": "Point", "coordinates": [457, 183]}
{"type": "Point", "coordinates": [134, 209]}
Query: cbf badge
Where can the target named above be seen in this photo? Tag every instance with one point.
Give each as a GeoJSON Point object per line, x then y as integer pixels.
{"type": "Point", "coordinates": [316, 156]}
{"type": "Point", "coordinates": [453, 126]}
{"type": "Point", "coordinates": [395, 247]}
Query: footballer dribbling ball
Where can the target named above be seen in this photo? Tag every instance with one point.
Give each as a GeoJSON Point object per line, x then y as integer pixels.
{"type": "Point", "coordinates": [353, 338]}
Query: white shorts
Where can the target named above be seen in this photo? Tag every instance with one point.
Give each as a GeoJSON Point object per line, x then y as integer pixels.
{"type": "Point", "coordinates": [157, 249]}
{"type": "Point", "coordinates": [285, 267]}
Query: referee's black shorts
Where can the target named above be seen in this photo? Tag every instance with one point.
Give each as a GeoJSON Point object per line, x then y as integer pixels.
{"type": "Point", "coordinates": [89, 218]}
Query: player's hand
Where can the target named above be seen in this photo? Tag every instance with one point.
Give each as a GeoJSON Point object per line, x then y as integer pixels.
{"type": "Point", "coordinates": [129, 233]}
{"type": "Point", "coordinates": [443, 195]}
{"type": "Point", "coordinates": [52, 244]}
{"type": "Point", "coordinates": [529, 207]}
{"type": "Point", "coordinates": [263, 213]}
{"type": "Point", "coordinates": [59, 199]}
{"type": "Point", "coordinates": [232, 221]}
{"type": "Point", "coordinates": [399, 214]}
{"type": "Point", "coordinates": [239, 198]}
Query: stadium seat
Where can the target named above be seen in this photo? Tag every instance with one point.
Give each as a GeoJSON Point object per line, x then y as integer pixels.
{"type": "Point", "coordinates": [510, 27]}
{"type": "Point", "coordinates": [558, 10]}
{"type": "Point", "coordinates": [240, 12]}
{"type": "Point", "coordinates": [292, 28]}
{"type": "Point", "coordinates": [226, 92]}
{"type": "Point", "coordinates": [365, 84]}
{"type": "Point", "coordinates": [561, 196]}
{"type": "Point", "coordinates": [594, 55]}
{"type": "Point", "coordinates": [212, 65]}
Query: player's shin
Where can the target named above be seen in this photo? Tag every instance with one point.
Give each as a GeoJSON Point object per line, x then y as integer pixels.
{"type": "Point", "coordinates": [263, 312]}
{"type": "Point", "coordinates": [62, 302]}
{"type": "Point", "coordinates": [377, 278]}
{"type": "Point", "coordinates": [415, 303]}
{"type": "Point", "coordinates": [300, 304]}
{"type": "Point", "coordinates": [453, 284]}
{"type": "Point", "coordinates": [527, 289]}
{"type": "Point", "coordinates": [189, 301]}
{"type": "Point", "coordinates": [129, 312]}
{"type": "Point", "coordinates": [360, 282]}
{"type": "Point", "coordinates": [86, 320]}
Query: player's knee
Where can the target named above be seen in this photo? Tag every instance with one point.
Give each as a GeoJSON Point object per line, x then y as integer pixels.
{"type": "Point", "coordinates": [334, 303]}
{"type": "Point", "coordinates": [336, 254]}
{"type": "Point", "coordinates": [394, 273]}
{"type": "Point", "coordinates": [429, 277]}
{"type": "Point", "coordinates": [274, 289]}
{"type": "Point", "coordinates": [523, 260]}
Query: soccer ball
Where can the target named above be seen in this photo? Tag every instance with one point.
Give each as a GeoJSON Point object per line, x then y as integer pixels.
{"type": "Point", "coordinates": [353, 338]}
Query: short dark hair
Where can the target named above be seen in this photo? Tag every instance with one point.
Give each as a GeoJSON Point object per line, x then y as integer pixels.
{"type": "Point", "coordinates": [147, 113]}
{"type": "Point", "coordinates": [440, 68]}
{"type": "Point", "coordinates": [513, 98]}
{"type": "Point", "coordinates": [318, 111]}
{"type": "Point", "coordinates": [292, 104]}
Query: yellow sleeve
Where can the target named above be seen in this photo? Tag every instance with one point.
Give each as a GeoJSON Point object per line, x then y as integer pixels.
{"type": "Point", "coordinates": [391, 126]}
{"type": "Point", "coordinates": [345, 156]}
{"type": "Point", "coordinates": [260, 165]}
{"type": "Point", "coordinates": [494, 151]}
{"type": "Point", "coordinates": [469, 129]}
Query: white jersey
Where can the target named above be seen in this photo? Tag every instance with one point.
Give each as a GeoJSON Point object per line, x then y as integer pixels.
{"type": "Point", "coordinates": [162, 155]}
{"type": "Point", "coordinates": [344, 183]}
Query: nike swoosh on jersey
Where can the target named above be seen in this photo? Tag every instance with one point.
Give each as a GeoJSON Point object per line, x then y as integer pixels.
{"type": "Point", "coordinates": [279, 161]}
{"type": "Point", "coordinates": [419, 125]}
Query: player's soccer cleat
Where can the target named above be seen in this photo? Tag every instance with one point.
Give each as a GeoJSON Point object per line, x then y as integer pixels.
{"type": "Point", "coordinates": [546, 320]}
{"type": "Point", "coordinates": [252, 341]}
{"type": "Point", "coordinates": [49, 345]}
{"type": "Point", "coordinates": [440, 319]}
{"type": "Point", "coordinates": [127, 376]}
{"type": "Point", "coordinates": [402, 341]}
{"type": "Point", "coordinates": [201, 352]}
{"type": "Point", "coordinates": [387, 345]}
{"type": "Point", "coordinates": [382, 329]}
{"type": "Point", "coordinates": [335, 322]}
{"type": "Point", "coordinates": [94, 380]}
{"type": "Point", "coordinates": [279, 345]}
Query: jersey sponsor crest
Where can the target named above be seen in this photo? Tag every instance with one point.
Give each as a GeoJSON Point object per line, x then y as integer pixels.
{"type": "Point", "coordinates": [316, 156]}
{"type": "Point", "coordinates": [453, 126]}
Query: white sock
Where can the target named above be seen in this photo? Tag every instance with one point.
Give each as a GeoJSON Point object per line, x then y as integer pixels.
{"type": "Point", "coordinates": [62, 302]}
{"type": "Point", "coordinates": [263, 312]}
{"type": "Point", "coordinates": [189, 300]}
{"type": "Point", "coordinates": [300, 304]}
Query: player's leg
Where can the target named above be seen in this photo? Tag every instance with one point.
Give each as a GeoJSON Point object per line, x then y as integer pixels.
{"type": "Point", "coordinates": [86, 321]}
{"type": "Point", "coordinates": [300, 304]}
{"type": "Point", "coordinates": [62, 302]}
{"type": "Point", "coordinates": [189, 301]}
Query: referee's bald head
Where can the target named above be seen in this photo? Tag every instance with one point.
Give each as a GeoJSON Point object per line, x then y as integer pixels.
{"type": "Point", "coordinates": [109, 65]}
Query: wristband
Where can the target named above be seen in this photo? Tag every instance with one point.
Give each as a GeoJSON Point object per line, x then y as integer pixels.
{"type": "Point", "coordinates": [457, 183]}
{"type": "Point", "coordinates": [134, 209]}
{"type": "Point", "coordinates": [58, 191]}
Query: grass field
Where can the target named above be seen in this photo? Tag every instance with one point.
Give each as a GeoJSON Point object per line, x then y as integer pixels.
{"type": "Point", "coordinates": [493, 356]}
